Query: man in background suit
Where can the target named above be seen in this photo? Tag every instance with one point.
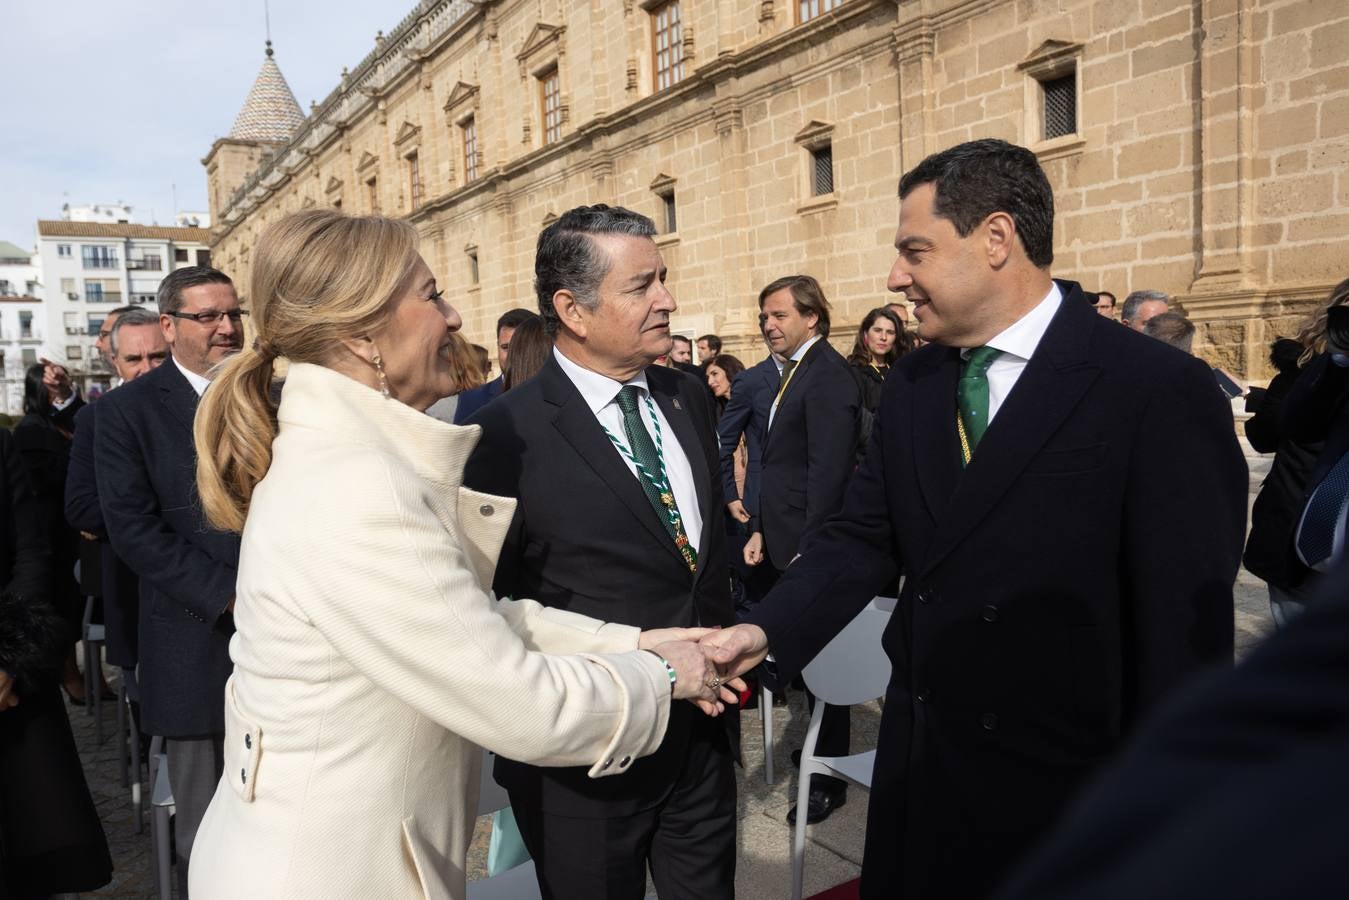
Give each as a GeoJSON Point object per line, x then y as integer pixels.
{"type": "Point", "coordinates": [146, 467]}
{"type": "Point", "coordinates": [1059, 583]}
{"type": "Point", "coordinates": [746, 414]}
{"type": "Point", "coordinates": [474, 399]}
{"type": "Point", "coordinates": [136, 345]}
{"type": "Point", "coordinates": [808, 455]}
{"type": "Point", "coordinates": [614, 462]}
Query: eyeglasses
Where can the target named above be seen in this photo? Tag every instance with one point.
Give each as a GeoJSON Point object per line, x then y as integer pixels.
{"type": "Point", "coordinates": [211, 317]}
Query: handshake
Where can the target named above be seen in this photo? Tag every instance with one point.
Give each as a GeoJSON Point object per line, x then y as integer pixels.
{"type": "Point", "coordinates": [708, 662]}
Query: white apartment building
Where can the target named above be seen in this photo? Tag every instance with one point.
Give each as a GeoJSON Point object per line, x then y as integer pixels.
{"type": "Point", "coordinates": [22, 322]}
{"type": "Point", "coordinates": [90, 268]}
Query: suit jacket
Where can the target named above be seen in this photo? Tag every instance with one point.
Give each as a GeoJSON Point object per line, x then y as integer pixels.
{"type": "Point", "coordinates": [474, 399]}
{"type": "Point", "coordinates": [1317, 409]}
{"type": "Point", "coordinates": [1072, 576]}
{"type": "Point", "coordinates": [808, 453]}
{"type": "Point", "coordinates": [372, 664]}
{"type": "Point", "coordinates": [1246, 765]}
{"type": "Point", "coordinates": [746, 413]}
{"type": "Point", "coordinates": [585, 538]}
{"type": "Point", "coordinates": [118, 586]}
{"type": "Point", "coordinates": [145, 463]}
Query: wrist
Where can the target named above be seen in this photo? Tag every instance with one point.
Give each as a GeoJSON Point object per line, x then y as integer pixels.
{"type": "Point", "coordinates": [669, 669]}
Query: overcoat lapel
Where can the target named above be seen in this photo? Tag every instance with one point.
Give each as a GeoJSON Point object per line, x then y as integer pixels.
{"type": "Point", "coordinates": [578, 426]}
{"type": "Point", "coordinates": [177, 394]}
{"type": "Point", "coordinates": [1049, 389]}
{"type": "Point", "coordinates": [936, 447]}
{"type": "Point", "coordinates": [793, 387]}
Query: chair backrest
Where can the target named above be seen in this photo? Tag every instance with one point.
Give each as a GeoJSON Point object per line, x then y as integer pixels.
{"type": "Point", "coordinates": [853, 667]}
{"type": "Point", "coordinates": [491, 796]}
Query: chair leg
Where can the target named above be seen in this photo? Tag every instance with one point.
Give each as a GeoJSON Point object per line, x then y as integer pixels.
{"type": "Point", "coordinates": [123, 748]}
{"type": "Point", "coordinates": [766, 716]}
{"type": "Point", "coordinates": [160, 824]}
{"type": "Point", "coordinates": [137, 796]}
{"type": "Point", "coordinates": [808, 768]}
{"type": "Point", "coordinates": [93, 657]}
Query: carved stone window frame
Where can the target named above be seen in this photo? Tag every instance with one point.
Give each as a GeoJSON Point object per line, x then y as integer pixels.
{"type": "Point", "coordinates": [464, 104]}
{"type": "Point", "coordinates": [815, 136]}
{"type": "Point", "coordinates": [663, 186]}
{"type": "Point", "coordinates": [543, 51]}
{"type": "Point", "coordinates": [1053, 59]}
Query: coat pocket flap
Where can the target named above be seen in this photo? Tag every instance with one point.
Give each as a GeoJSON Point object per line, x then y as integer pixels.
{"type": "Point", "coordinates": [243, 747]}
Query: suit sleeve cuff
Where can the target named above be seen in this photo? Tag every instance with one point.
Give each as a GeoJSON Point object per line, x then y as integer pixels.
{"type": "Point", "coordinates": [645, 688]}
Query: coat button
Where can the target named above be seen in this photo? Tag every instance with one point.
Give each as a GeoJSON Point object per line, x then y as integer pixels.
{"type": "Point", "coordinates": [989, 721]}
{"type": "Point", "coordinates": [922, 695]}
{"type": "Point", "coordinates": [243, 776]}
{"type": "Point", "coordinates": [486, 509]}
{"type": "Point", "coordinates": [607, 764]}
{"type": "Point", "coordinates": [924, 596]}
{"type": "Point", "coordinates": [626, 761]}
{"type": "Point", "coordinates": [248, 742]}
{"type": "Point", "coordinates": [990, 613]}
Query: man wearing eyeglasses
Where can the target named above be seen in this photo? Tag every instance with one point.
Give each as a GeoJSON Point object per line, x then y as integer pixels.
{"type": "Point", "coordinates": [146, 468]}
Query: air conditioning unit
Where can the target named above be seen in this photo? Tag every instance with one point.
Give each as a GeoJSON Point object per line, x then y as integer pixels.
{"type": "Point", "coordinates": [72, 330]}
{"type": "Point", "coordinates": [72, 296]}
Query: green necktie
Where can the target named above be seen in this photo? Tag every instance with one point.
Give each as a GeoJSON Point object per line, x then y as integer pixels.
{"type": "Point", "coordinates": [646, 456]}
{"type": "Point", "coordinates": [972, 400]}
{"type": "Point", "coordinates": [786, 376]}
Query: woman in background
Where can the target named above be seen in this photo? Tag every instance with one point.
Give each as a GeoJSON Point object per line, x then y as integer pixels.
{"type": "Point", "coordinates": [881, 340]}
{"type": "Point", "coordinates": [531, 346]}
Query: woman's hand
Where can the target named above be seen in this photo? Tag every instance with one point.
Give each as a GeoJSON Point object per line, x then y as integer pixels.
{"type": "Point", "coordinates": [697, 678]}
{"type": "Point", "coordinates": [8, 698]}
{"type": "Point", "coordinates": [650, 640]}
{"type": "Point", "coordinates": [754, 549]}
{"type": "Point", "coordinates": [738, 512]}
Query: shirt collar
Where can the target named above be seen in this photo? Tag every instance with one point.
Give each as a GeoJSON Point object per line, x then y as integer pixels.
{"type": "Point", "coordinates": [801, 351]}
{"type": "Point", "coordinates": [597, 390]}
{"type": "Point", "coordinates": [199, 383]}
{"type": "Point", "coordinates": [1022, 337]}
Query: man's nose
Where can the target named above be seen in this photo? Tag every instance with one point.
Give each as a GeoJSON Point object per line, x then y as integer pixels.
{"type": "Point", "coordinates": [899, 277]}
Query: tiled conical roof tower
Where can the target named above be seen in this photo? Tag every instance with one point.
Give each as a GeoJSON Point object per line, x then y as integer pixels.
{"type": "Point", "coordinates": [270, 113]}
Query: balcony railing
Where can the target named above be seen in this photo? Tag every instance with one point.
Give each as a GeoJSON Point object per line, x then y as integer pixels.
{"type": "Point", "coordinates": [105, 297]}
{"type": "Point", "coordinates": [148, 263]}
{"type": "Point", "coordinates": [102, 262]}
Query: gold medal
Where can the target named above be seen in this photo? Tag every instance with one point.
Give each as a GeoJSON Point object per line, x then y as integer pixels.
{"type": "Point", "coordinates": [667, 499]}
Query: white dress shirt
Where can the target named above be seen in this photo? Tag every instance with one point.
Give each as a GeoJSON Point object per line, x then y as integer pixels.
{"type": "Point", "coordinates": [797, 356]}
{"type": "Point", "coordinates": [600, 393]}
{"type": "Point", "coordinates": [1017, 343]}
{"type": "Point", "coordinates": [199, 384]}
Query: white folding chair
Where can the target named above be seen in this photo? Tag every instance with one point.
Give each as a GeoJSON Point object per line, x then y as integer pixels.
{"type": "Point", "coordinates": [518, 883]}
{"type": "Point", "coordinates": [766, 718]}
{"type": "Point", "coordinates": [851, 669]}
{"type": "Point", "coordinates": [93, 635]}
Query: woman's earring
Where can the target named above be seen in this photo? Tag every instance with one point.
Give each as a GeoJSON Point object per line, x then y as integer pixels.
{"type": "Point", "coordinates": [383, 379]}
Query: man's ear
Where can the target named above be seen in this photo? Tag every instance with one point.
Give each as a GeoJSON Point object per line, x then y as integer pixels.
{"type": "Point", "coordinates": [570, 312]}
{"type": "Point", "coordinates": [1000, 233]}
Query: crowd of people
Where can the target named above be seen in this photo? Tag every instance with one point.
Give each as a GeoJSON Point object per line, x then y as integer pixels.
{"type": "Point", "coordinates": [335, 563]}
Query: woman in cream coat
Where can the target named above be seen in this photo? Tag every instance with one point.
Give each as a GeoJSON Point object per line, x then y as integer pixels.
{"type": "Point", "coordinates": [371, 662]}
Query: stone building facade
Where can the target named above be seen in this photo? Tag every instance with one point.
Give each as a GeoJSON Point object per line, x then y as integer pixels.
{"type": "Point", "coordinates": [1200, 147]}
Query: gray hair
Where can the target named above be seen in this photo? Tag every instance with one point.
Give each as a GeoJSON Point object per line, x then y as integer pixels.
{"type": "Point", "coordinates": [567, 258]}
{"type": "Point", "coordinates": [1137, 299]}
{"type": "Point", "coordinates": [136, 315]}
{"type": "Point", "coordinates": [1171, 328]}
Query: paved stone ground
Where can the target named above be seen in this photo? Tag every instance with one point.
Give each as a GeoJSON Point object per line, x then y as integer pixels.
{"type": "Point", "coordinates": [834, 849]}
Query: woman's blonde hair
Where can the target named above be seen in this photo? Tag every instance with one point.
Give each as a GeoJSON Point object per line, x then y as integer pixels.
{"type": "Point", "coordinates": [318, 277]}
{"type": "Point", "coordinates": [1312, 334]}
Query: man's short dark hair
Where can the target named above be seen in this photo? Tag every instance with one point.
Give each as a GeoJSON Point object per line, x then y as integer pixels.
{"type": "Point", "coordinates": [567, 258]}
{"type": "Point", "coordinates": [513, 318]}
{"type": "Point", "coordinates": [135, 315]}
{"type": "Point", "coordinates": [1171, 328]}
{"type": "Point", "coordinates": [679, 337]}
{"type": "Point", "coordinates": [807, 296]}
{"type": "Point", "coordinates": [171, 288]}
{"type": "Point", "coordinates": [1107, 294]}
{"type": "Point", "coordinates": [713, 343]}
{"type": "Point", "coordinates": [978, 178]}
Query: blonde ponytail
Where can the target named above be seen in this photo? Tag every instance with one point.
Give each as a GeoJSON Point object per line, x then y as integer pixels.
{"type": "Point", "coordinates": [234, 428]}
{"type": "Point", "coordinates": [318, 277]}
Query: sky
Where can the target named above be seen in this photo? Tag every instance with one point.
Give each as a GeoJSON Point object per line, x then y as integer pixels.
{"type": "Point", "coordinates": [119, 102]}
